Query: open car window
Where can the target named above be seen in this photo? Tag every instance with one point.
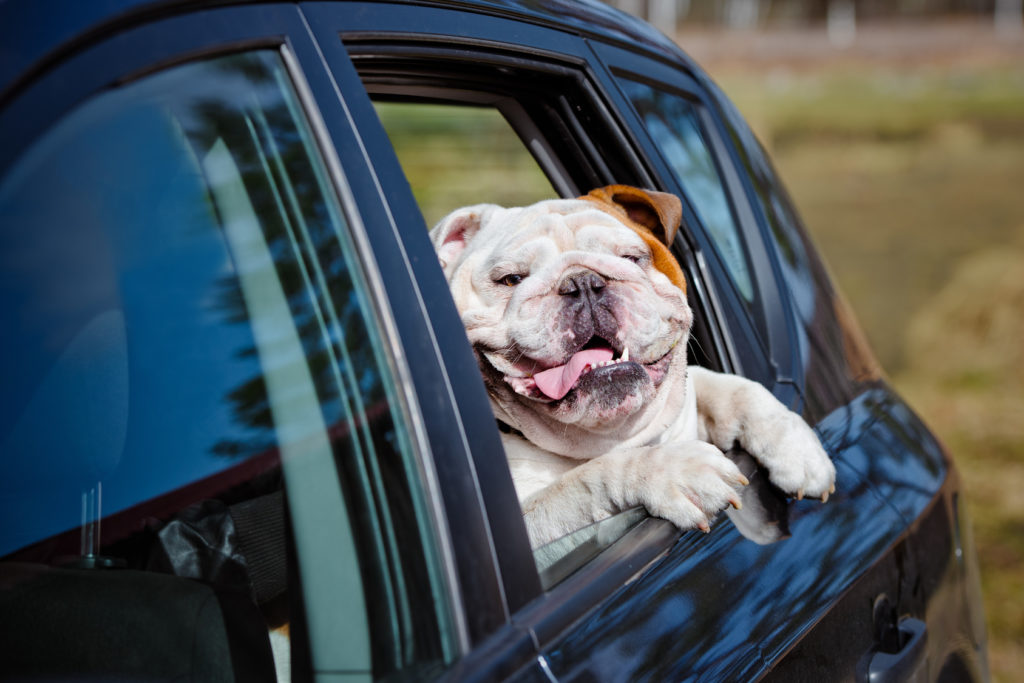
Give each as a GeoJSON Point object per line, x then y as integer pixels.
{"type": "Point", "coordinates": [464, 136]}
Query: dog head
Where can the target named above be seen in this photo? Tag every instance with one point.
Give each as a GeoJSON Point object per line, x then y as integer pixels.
{"type": "Point", "coordinates": [577, 313]}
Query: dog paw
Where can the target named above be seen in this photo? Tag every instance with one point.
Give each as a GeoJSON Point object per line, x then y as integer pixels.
{"type": "Point", "coordinates": [795, 459]}
{"type": "Point", "coordinates": [687, 484]}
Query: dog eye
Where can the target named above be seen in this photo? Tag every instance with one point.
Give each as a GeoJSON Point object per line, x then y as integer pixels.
{"type": "Point", "coordinates": [638, 259]}
{"type": "Point", "coordinates": [512, 279]}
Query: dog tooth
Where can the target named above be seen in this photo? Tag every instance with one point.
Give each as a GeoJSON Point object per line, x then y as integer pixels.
{"type": "Point", "coordinates": [625, 354]}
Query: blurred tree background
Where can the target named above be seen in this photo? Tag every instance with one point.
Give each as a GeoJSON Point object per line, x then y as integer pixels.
{"type": "Point", "coordinates": [899, 129]}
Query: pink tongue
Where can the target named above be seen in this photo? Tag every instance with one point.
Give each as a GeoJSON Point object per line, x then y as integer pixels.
{"type": "Point", "coordinates": [556, 382]}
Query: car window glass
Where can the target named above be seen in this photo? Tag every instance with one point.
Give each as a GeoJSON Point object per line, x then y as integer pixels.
{"type": "Point", "coordinates": [674, 124]}
{"type": "Point", "coordinates": [561, 557]}
{"type": "Point", "coordinates": [190, 344]}
{"type": "Point", "coordinates": [457, 156]}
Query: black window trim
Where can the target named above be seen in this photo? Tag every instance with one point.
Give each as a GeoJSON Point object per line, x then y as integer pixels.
{"type": "Point", "coordinates": [706, 123]}
{"type": "Point", "coordinates": [678, 78]}
{"type": "Point", "coordinates": [370, 50]}
{"type": "Point", "coordinates": [753, 328]}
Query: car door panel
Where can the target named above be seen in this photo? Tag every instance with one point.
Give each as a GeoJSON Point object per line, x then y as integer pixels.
{"type": "Point", "coordinates": [721, 607]}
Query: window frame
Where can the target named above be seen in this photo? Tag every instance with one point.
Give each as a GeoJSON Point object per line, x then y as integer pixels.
{"type": "Point", "coordinates": [132, 47]}
{"type": "Point", "coordinates": [776, 363]}
{"type": "Point", "coordinates": [431, 33]}
{"type": "Point", "coordinates": [550, 54]}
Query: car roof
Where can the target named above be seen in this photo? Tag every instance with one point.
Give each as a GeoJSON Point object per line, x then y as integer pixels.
{"type": "Point", "coordinates": [35, 32]}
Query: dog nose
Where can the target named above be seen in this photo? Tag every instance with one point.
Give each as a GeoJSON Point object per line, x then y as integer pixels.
{"type": "Point", "coordinates": [581, 283]}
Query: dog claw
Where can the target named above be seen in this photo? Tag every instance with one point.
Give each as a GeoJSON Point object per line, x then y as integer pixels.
{"type": "Point", "coordinates": [832, 489]}
{"type": "Point", "coordinates": [704, 526]}
{"type": "Point", "coordinates": [736, 503]}
{"type": "Point", "coordinates": [800, 494]}
{"type": "Point", "coordinates": [824, 497]}
{"type": "Point", "coordinates": [744, 481]}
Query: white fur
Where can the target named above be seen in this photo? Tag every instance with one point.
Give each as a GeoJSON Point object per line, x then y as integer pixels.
{"type": "Point", "coordinates": [660, 446]}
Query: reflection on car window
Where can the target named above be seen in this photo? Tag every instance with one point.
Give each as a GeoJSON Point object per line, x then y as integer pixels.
{"type": "Point", "coordinates": [561, 557]}
{"type": "Point", "coordinates": [190, 344]}
{"type": "Point", "coordinates": [674, 124]}
{"type": "Point", "coordinates": [458, 155]}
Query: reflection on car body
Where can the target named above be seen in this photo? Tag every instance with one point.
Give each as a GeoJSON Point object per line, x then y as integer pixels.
{"type": "Point", "coordinates": [237, 394]}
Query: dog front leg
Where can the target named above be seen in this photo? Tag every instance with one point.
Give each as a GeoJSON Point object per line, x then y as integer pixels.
{"type": "Point", "coordinates": [733, 410]}
{"type": "Point", "coordinates": [686, 483]}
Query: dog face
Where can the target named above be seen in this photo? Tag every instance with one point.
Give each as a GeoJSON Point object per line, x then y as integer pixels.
{"type": "Point", "coordinates": [577, 322]}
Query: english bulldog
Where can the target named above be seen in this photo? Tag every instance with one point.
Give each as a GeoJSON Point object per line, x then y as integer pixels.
{"type": "Point", "coordinates": [577, 312]}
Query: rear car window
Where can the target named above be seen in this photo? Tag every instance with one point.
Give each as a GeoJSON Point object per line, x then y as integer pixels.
{"type": "Point", "coordinates": [674, 124]}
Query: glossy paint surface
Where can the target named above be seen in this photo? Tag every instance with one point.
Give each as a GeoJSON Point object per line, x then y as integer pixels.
{"type": "Point", "coordinates": [722, 607]}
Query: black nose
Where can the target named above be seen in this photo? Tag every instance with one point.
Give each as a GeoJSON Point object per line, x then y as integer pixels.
{"type": "Point", "coordinates": [581, 283]}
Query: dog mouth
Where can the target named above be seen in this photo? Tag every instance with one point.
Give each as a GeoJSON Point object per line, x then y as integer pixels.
{"type": "Point", "coordinates": [596, 357]}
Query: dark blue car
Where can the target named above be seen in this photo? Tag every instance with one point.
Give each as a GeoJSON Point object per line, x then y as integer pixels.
{"type": "Point", "coordinates": [243, 436]}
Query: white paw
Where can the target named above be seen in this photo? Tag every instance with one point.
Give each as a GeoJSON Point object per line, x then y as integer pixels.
{"type": "Point", "coordinates": [794, 458]}
{"type": "Point", "coordinates": [687, 484]}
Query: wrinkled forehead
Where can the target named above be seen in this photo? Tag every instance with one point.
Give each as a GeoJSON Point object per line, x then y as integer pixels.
{"type": "Point", "coordinates": [566, 224]}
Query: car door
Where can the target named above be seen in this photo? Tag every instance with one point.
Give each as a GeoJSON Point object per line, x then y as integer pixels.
{"type": "Point", "coordinates": [546, 87]}
{"type": "Point", "coordinates": [206, 367]}
{"type": "Point", "coordinates": [721, 607]}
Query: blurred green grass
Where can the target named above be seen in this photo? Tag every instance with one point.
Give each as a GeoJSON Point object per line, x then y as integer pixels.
{"type": "Point", "coordinates": [912, 183]}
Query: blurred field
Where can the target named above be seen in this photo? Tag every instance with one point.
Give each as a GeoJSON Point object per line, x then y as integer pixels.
{"type": "Point", "coordinates": [905, 154]}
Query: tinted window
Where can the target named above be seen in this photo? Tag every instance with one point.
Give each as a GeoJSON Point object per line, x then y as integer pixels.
{"type": "Point", "coordinates": [831, 341]}
{"type": "Point", "coordinates": [674, 124]}
{"type": "Point", "coordinates": [190, 344]}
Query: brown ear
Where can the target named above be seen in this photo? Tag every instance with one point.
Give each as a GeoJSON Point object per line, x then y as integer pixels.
{"type": "Point", "coordinates": [653, 215]}
{"type": "Point", "coordinates": [659, 212]}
